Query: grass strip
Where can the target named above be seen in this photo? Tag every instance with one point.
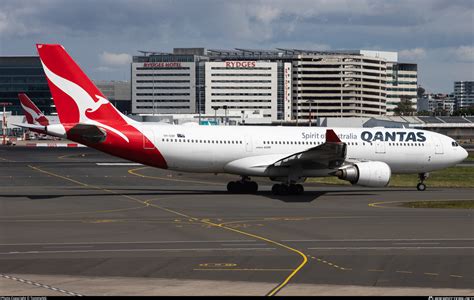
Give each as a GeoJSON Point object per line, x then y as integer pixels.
{"type": "Point", "coordinates": [454, 177]}
{"type": "Point", "coordinates": [460, 204]}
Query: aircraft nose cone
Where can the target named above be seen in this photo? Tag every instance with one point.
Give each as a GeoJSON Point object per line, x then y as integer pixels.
{"type": "Point", "coordinates": [464, 154]}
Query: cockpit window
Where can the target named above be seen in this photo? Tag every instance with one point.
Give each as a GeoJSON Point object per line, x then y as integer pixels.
{"type": "Point", "coordinates": [454, 144]}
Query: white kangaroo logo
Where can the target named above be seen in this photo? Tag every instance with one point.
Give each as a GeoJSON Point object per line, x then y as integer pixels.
{"type": "Point", "coordinates": [34, 115]}
{"type": "Point", "coordinates": [83, 100]}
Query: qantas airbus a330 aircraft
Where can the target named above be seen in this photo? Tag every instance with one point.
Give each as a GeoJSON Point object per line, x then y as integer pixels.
{"type": "Point", "coordinates": [287, 155]}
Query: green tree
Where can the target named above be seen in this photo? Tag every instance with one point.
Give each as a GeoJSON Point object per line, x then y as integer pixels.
{"type": "Point", "coordinates": [420, 91]}
{"type": "Point", "coordinates": [469, 111]}
{"type": "Point", "coordinates": [404, 107]}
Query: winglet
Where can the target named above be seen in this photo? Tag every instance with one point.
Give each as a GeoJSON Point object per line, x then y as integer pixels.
{"type": "Point", "coordinates": [331, 137]}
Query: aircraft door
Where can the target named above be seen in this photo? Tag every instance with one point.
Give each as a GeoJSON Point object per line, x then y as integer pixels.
{"type": "Point", "coordinates": [248, 143]}
{"type": "Point", "coordinates": [438, 145]}
{"type": "Point", "coordinates": [379, 147]}
{"type": "Point", "coordinates": [148, 138]}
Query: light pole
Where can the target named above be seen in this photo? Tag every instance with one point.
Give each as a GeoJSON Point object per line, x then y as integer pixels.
{"type": "Point", "coordinates": [215, 108]}
{"type": "Point", "coordinates": [4, 121]}
{"type": "Point", "coordinates": [225, 118]}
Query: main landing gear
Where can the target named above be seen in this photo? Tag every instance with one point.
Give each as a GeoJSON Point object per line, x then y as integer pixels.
{"type": "Point", "coordinates": [243, 186]}
{"type": "Point", "coordinates": [421, 186]}
{"type": "Point", "coordinates": [287, 189]}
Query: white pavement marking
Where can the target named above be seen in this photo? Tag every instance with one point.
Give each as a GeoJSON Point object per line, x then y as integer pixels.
{"type": "Point", "coordinates": [227, 245]}
{"type": "Point", "coordinates": [382, 240]}
{"type": "Point", "coordinates": [132, 242]}
{"type": "Point", "coordinates": [138, 250]}
{"type": "Point", "coordinates": [39, 285]}
{"type": "Point", "coordinates": [386, 248]}
{"type": "Point", "coordinates": [416, 243]}
{"type": "Point", "coordinates": [118, 164]}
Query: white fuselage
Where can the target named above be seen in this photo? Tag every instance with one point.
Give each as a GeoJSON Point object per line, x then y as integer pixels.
{"type": "Point", "coordinates": [239, 149]}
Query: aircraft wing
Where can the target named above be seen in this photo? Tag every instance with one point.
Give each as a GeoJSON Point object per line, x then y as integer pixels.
{"type": "Point", "coordinates": [329, 155]}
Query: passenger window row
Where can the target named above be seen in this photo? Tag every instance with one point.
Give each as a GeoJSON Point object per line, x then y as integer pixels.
{"type": "Point", "coordinates": [200, 141]}
{"type": "Point", "coordinates": [290, 143]}
{"type": "Point", "coordinates": [407, 144]}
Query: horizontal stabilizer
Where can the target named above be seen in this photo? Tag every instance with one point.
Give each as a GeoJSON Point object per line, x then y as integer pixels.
{"type": "Point", "coordinates": [87, 133]}
{"type": "Point", "coordinates": [31, 126]}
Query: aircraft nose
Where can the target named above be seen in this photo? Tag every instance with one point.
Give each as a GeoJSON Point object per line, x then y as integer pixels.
{"type": "Point", "coordinates": [464, 154]}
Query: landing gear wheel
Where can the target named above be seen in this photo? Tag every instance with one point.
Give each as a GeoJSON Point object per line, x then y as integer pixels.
{"type": "Point", "coordinates": [241, 187]}
{"type": "Point", "coordinates": [299, 189]}
{"type": "Point", "coordinates": [282, 189]}
{"type": "Point", "coordinates": [275, 189]}
{"type": "Point", "coordinates": [421, 186]}
{"type": "Point", "coordinates": [232, 187]}
{"type": "Point", "coordinates": [252, 187]}
{"type": "Point", "coordinates": [285, 189]}
{"type": "Point", "coordinates": [292, 190]}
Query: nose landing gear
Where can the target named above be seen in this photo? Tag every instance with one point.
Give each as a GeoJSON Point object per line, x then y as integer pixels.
{"type": "Point", "coordinates": [421, 186]}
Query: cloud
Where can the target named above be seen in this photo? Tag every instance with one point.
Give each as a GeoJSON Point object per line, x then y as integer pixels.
{"type": "Point", "coordinates": [104, 69]}
{"type": "Point", "coordinates": [464, 53]}
{"type": "Point", "coordinates": [115, 59]}
{"type": "Point", "coordinates": [429, 31]}
{"type": "Point", "coordinates": [266, 14]}
{"type": "Point", "coordinates": [3, 22]}
{"type": "Point", "coordinates": [412, 54]}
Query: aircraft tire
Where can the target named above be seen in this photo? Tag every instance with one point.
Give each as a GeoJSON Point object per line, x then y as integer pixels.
{"type": "Point", "coordinates": [232, 187]}
{"type": "Point", "coordinates": [299, 189]}
{"type": "Point", "coordinates": [252, 187]}
{"type": "Point", "coordinates": [283, 189]}
{"type": "Point", "coordinates": [421, 186]}
{"type": "Point", "coordinates": [275, 189]}
{"type": "Point", "coordinates": [292, 189]}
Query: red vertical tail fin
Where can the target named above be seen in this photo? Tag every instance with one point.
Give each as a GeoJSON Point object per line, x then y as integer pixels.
{"type": "Point", "coordinates": [76, 97]}
{"type": "Point", "coordinates": [32, 113]}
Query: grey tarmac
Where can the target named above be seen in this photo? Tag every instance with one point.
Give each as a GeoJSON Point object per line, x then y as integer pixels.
{"type": "Point", "coordinates": [84, 222]}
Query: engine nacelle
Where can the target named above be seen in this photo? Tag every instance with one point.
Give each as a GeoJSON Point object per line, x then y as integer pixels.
{"type": "Point", "coordinates": [371, 173]}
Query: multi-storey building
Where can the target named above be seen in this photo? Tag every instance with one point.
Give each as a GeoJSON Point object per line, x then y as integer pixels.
{"type": "Point", "coordinates": [338, 85]}
{"type": "Point", "coordinates": [402, 83]}
{"type": "Point", "coordinates": [241, 86]}
{"type": "Point", "coordinates": [464, 94]}
{"type": "Point", "coordinates": [436, 104]}
{"type": "Point", "coordinates": [118, 93]}
{"type": "Point", "coordinates": [402, 79]}
{"type": "Point", "coordinates": [165, 83]}
{"type": "Point", "coordinates": [24, 74]}
{"type": "Point", "coordinates": [282, 84]}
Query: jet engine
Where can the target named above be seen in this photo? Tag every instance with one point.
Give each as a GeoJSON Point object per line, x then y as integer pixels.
{"type": "Point", "coordinates": [371, 173]}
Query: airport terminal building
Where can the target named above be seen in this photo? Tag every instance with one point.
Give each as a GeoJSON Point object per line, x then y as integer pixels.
{"type": "Point", "coordinates": [24, 74]}
{"type": "Point", "coordinates": [280, 85]}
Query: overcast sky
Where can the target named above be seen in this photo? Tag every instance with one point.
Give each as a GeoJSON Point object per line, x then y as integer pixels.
{"type": "Point", "coordinates": [103, 35]}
